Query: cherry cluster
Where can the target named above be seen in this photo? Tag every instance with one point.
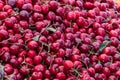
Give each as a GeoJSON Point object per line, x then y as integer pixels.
{"type": "Point", "coordinates": [59, 40]}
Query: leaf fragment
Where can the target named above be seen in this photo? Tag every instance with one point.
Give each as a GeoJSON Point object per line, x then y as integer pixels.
{"type": "Point", "coordinates": [36, 38]}
{"type": "Point", "coordinates": [51, 29]}
{"type": "Point", "coordinates": [103, 45]}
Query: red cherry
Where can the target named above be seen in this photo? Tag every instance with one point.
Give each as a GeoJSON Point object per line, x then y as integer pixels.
{"type": "Point", "coordinates": [37, 60]}
{"type": "Point", "coordinates": [61, 76]}
{"type": "Point", "coordinates": [37, 75]}
{"type": "Point", "coordinates": [71, 16]}
{"type": "Point", "coordinates": [47, 74]}
{"type": "Point", "coordinates": [32, 44]}
{"type": "Point", "coordinates": [9, 69]}
{"type": "Point", "coordinates": [31, 53]}
{"type": "Point", "coordinates": [39, 68]}
{"type": "Point", "coordinates": [68, 64]}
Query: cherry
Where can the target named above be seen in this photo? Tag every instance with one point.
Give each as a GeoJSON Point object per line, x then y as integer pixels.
{"type": "Point", "coordinates": [47, 74]}
{"type": "Point", "coordinates": [60, 11]}
{"type": "Point", "coordinates": [27, 6]}
{"type": "Point", "coordinates": [98, 67]}
{"type": "Point", "coordinates": [24, 70]}
{"type": "Point", "coordinates": [118, 73]}
{"type": "Point", "coordinates": [98, 76]}
{"type": "Point", "coordinates": [54, 69]}
{"type": "Point", "coordinates": [70, 36]}
{"type": "Point", "coordinates": [48, 60]}
{"type": "Point", "coordinates": [14, 62]}
{"type": "Point", "coordinates": [37, 75]}
{"type": "Point", "coordinates": [5, 57]}
{"type": "Point", "coordinates": [14, 49]}
{"type": "Point", "coordinates": [37, 8]}
{"type": "Point", "coordinates": [75, 58]}
{"type": "Point", "coordinates": [57, 35]}
{"type": "Point", "coordinates": [24, 24]}
{"type": "Point", "coordinates": [101, 32]}
{"type": "Point", "coordinates": [1, 6]}
{"type": "Point", "coordinates": [9, 69]}
{"type": "Point", "coordinates": [61, 52]}
{"type": "Point", "coordinates": [29, 61]}
{"type": "Point", "coordinates": [88, 5]}
{"type": "Point", "coordinates": [3, 15]}
{"type": "Point", "coordinates": [113, 33]}
{"type": "Point", "coordinates": [58, 61]}
{"type": "Point", "coordinates": [45, 9]}
{"type": "Point", "coordinates": [32, 44]}
{"type": "Point", "coordinates": [103, 57]}
{"type": "Point", "coordinates": [46, 79]}
{"type": "Point", "coordinates": [51, 16]}
{"type": "Point", "coordinates": [107, 50]}
{"type": "Point", "coordinates": [31, 53]}
{"type": "Point", "coordinates": [113, 67]}
{"type": "Point", "coordinates": [61, 76]}
{"type": "Point", "coordinates": [91, 13]}
{"type": "Point", "coordinates": [112, 77]}
{"type": "Point", "coordinates": [71, 16]}
{"type": "Point", "coordinates": [80, 21]}
{"type": "Point", "coordinates": [12, 2]}
{"type": "Point", "coordinates": [79, 3]}
{"type": "Point", "coordinates": [106, 71]}
{"type": "Point", "coordinates": [84, 48]}
{"type": "Point", "coordinates": [116, 57]}
{"type": "Point", "coordinates": [38, 17]}
{"type": "Point", "coordinates": [53, 5]}
{"type": "Point", "coordinates": [68, 64]}
{"type": "Point", "coordinates": [24, 14]}
{"type": "Point", "coordinates": [9, 22]}
{"type": "Point", "coordinates": [20, 60]}
{"type": "Point", "coordinates": [39, 25]}
{"type": "Point", "coordinates": [3, 33]}
{"type": "Point", "coordinates": [43, 54]}
{"type": "Point", "coordinates": [7, 7]}
{"type": "Point", "coordinates": [91, 71]}
{"type": "Point", "coordinates": [37, 59]}
{"type": "Point", "coordinates": [114, 41]}
{"type": "Point", "coordinates": [96, 45]}
{"type": "Point", "coordinates": [22, 53]}
{"type": "Point", "coordinates": [39, 68]}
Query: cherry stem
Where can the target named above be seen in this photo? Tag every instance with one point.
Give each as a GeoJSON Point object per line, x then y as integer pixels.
{"type": "Point", "coordinates": [47, 46]}
{"type": "Point", "coordinates": [70, 23]}
{"type": "Point", "coordinates": [40, 50]}
{"type": "Point", "coordinates": [84, 64]}
{"type": "Point", "coordinates": [77, 73]}
{"type": "Point", "coordinates": [2, 53]}
{"type": "Point", "coordinates": [52, 59]}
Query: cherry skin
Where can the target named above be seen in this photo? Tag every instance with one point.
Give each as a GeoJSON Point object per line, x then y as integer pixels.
{"type": "Point", "coordinates": [24, 70]}
{"type": "Point", "coordinates": [24, 14]}
{"type": "Point", "coordinates": [39, 68]}
{"type": "Point", "coordinates": [31, 53]}
{"type": "Point", "coordinates": [37, 60]}
{"type": "Point", "coordinates": [37, 75]}
{"type": "Point", "coordinates": [71, 16]}
{"type": "Point", "coordinates": [9, 69]}
{"type": "Point", "coordinates": [61, 76]}
{"type": "Point", "coordinates": [98, 67]}
{"type": "Point", "coordinates": [68, 64]}
{"type": "Point", "coordinates": [32, 44]}
{"type": "Point", "coordinates": [47, 74]}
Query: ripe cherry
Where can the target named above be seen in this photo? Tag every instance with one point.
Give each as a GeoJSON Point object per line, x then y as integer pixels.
{"type": "Point", "coordinates": [68, 64]}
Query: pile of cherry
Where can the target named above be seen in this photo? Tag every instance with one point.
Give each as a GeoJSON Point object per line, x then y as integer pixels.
{"type": "Point", "coordinates": [59, 40]}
